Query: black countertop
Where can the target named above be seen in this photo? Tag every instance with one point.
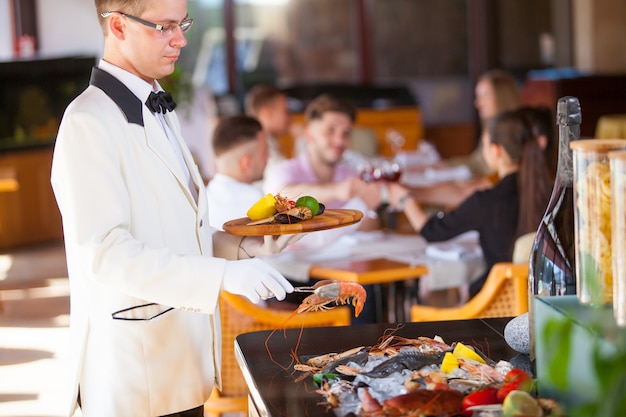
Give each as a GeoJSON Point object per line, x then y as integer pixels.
{"type": "Point", "coordinates": [276, 392]}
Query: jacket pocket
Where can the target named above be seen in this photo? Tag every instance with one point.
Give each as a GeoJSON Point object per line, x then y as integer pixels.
{"type": "Point", "coordinates": [141, 312]}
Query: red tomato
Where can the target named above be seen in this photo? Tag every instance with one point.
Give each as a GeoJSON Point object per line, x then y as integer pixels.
{"type": "Point", "coordinates": [515, 379]}
{"type": "Point", "coordinates": [292, 203]}
{"type": "Point", "coordinates": [484, 396]}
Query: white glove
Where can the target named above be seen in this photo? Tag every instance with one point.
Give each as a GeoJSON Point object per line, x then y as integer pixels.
{"type": "Point", "coordinates": [270, 245]}
{"type": "Point", "coordinates": [255, 280]}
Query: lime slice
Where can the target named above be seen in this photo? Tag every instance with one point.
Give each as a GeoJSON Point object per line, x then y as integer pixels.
{"type": "Point", "coordinates": [462, 351]}
{"type": "Point", "coordinates": [310, 202]}
{"type": "Point", "coordinates": [263, 208]}
{"type": "Point", "coordinates": [521, 403]}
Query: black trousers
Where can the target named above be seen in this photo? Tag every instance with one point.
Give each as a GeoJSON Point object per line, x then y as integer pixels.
{"type": "Point", "coordinates": [194, 412]}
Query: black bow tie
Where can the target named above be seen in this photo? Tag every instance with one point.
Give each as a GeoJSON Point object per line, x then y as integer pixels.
{"type": "Point", "coordinates": [160, 102]}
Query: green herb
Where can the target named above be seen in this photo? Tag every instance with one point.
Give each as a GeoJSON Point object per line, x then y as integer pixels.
{"type": "Point", "coordinates": [320, 377]}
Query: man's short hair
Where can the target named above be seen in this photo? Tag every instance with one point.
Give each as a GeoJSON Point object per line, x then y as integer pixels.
{"type": "Point", "coordinates": [132, 7]}
{"type": "Point", "coordinates": [325, 103]}
{"type": "Point", "coordinates": [259, 96]}
{"type": "Point", "coordinates": [234, 131]}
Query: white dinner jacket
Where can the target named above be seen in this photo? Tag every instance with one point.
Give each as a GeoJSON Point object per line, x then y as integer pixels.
{"type": "Point", "coordinates": [144, 328]}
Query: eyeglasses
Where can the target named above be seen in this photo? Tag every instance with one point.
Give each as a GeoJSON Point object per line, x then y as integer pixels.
{"type": "Point", "coordinates": [167, 29]}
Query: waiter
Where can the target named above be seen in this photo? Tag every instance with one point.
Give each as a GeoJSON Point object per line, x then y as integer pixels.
{"type": "Point", "coordinates": [145, 268]}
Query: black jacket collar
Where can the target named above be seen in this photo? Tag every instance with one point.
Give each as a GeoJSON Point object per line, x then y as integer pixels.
{"type": "Point", "coordinates": [120, 94]}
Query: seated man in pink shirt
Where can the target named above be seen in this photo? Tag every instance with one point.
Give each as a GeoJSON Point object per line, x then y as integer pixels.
{"type": "Point", "coordinates": [321, 172]}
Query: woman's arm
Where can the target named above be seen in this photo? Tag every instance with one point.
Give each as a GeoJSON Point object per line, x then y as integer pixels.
{"type": "Point", "coordinates": [414, 213]}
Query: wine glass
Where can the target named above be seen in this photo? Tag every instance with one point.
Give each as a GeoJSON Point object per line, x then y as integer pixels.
{"type": "Point", "coordinates": [367, 170]}
{"type": "Point", "coordinates": [388, 170]}
{"type": "Point", "coordinates": [380, 169]}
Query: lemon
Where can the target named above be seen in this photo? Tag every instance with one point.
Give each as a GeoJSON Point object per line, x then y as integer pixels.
{"type": "Point", "coordinates": [263, 208]}
{"type": "Point", "coordinates": [309, 202]}
{"type": "Point", "coordinates": [520, 403]}
{"type": "Point", "coordinates": [449, 363]}
{"type": "Point", "coordinates": [462, 351]}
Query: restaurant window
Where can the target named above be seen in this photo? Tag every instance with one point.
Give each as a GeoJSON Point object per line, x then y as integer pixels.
{"type": "Point", "coordinates": [526, 41]}
{"type": "Point", "coordinates": [435, 48]}
{"type": "Point", "coordinates": [321, 42]}
{"type": "Point", "coordinates": [277, 41]}
{"type": "Point", "coordinates": [419, 38]}
{"type": "Point", "coordinates": [204, 55]}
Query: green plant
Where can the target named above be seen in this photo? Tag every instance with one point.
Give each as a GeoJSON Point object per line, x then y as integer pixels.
{"type": "Point", "coordinates": [608, 364]}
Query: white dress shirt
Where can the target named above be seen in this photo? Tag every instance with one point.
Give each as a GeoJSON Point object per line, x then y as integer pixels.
{"type": "Point", "coordinates": [229, 199]}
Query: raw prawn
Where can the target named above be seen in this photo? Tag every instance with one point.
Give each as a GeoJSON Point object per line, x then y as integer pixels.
{"type": "Point", "coordinates": [283, 204]}
{"type": "Point", "coordinates": [328, 291]}
{"type": "Point", "coordinates": [324, 293]}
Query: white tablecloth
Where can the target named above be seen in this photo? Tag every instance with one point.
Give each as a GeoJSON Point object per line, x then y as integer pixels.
{"type": "Point", "coordinates": [451, 264]}
{"type": "Point", "coordinates": [432, 176]}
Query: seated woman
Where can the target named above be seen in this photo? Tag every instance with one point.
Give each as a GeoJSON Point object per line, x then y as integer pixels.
{"type": "Point", "coordinates": [496, 91]}
{"type": "Point", "coordinates": [513, 207]}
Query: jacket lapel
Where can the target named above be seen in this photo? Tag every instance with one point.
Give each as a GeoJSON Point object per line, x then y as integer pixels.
{"type": "Point", "coordinates": [157, 141]}
{"type": "Point", "coordinates": [137, 113]}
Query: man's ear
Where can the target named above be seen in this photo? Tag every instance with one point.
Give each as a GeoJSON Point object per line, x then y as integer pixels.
{"type": "Point", "coordinates": [117, 26]}
{"type": "Point", "coordinates": [244, 163]}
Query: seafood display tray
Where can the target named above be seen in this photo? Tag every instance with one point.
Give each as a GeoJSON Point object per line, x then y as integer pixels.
{"type": "Point", "coordinates": [275, 389]}
{"type": "Point", "coordinates": [330, 219]}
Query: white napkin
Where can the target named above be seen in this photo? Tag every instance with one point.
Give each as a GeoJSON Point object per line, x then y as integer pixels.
{"type": "Point", "coordinates": [463, 246]}
{"type": "Point", "coordinates": [436, 175]}
{"type": "Point", "coordinates": [426, 154]}
{"type": "Point", "coordinates": [450, 251]}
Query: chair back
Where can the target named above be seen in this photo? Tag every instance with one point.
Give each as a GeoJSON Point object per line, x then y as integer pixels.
{"type": "Point", "coordinates": [238, 315]}
{"type": "Point", "coordinates": [504, 294]}
{"type": "Point", "coordinates": [523, 247]}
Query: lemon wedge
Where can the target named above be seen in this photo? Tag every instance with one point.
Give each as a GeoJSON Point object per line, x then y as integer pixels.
{"type": "Point", "coordinates": [462, 351]}
{"type": "Point", "coordinates": [263, 208]}
{"type": "Point", "coordinates": [449, 363]}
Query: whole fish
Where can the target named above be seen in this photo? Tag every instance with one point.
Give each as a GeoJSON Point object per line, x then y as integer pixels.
{"type": "Point", "coordinates": [407, 360]}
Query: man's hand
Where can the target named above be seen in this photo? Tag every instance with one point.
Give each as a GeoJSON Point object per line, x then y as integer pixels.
{"type": "Point", "coordinates": [252, 246]}
{"type": "Point", "coordinates": [255, 280]}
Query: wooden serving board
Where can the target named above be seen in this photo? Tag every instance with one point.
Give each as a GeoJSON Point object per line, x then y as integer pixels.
{"type": "Point", "coordinates": [330, 219]}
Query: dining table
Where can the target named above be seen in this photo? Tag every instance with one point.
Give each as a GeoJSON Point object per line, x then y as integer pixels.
{"type": "Point", "coordinates": [392, 281]}
{"type": "Point", "coordinates": [276, 390]}
{"type": "Point", "coordinates": [391, 262]}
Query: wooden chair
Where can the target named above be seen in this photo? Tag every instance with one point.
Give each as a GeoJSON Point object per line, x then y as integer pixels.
{"type": "Point", "coordinates": [238, 316]}
{"type": "Point", "coordinates": [504, 294]}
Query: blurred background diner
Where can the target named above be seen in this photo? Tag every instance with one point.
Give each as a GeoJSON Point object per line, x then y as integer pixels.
{"type": "Point", "coordinates": [418, 73]}
{"type": "Point", "coordinates": [241, 154]}
{"type": "Point", "coordinates": [269, 105]}
{"type": "Point", "coordinates": [512, 208]}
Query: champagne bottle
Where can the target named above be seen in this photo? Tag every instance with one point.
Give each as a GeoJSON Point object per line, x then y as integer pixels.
{"type": "Point", "coordinates": [552, 260]}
